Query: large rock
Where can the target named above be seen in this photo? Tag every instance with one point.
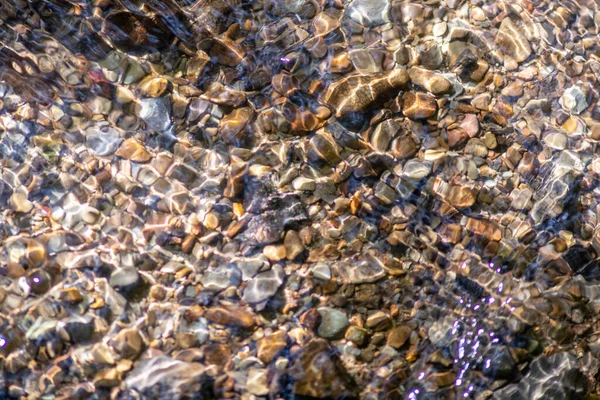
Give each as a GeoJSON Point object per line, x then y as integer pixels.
{"type": "Point", "coordinates": [360, 93]}
{"type": "Point", "coordinates": [319, 373]}
{"type": "Point", "coordinates": [552, 377]}
{"type": "Point", "coordinates": [165, 378]}
{"type": "Point", "coordinates": [370, 13]}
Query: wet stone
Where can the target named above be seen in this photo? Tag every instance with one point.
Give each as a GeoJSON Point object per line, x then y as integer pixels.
{"type": "Point", "coordinates": [263, 286]}
{"type": "Point", "coordinates": [103, 141]}
{"type": "Point", "coordinates": [155, 113]}
{"type": "Point", "coordinates": [430, 81]}
{"type": "Point", "coordinates": [369, 13]}
{"type": "Point", "coordinates": [418, 105]}
{"type": "Point", "coordinates": [269, 347]}
{"type": "Point", "coordinates": [319, 373]}
{"type": "Point", "coordinates": [333, 323]}
{"type": "Point", "coordinates": [398, 336]}
{"type": "Point", "coordinates": [162, 376]}
{"type": "Point", "coordinates": [355, 94]}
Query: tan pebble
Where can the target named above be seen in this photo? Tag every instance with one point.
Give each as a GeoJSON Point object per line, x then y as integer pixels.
{"type": "Point", "coordinates": [418, 105]}
{"type": "Point", "coordinates": [489, 139]}
{"type": "Point", "coordinates": [274, 253]}
{"type": "Point", "coordinates": [514, 89]}
{"type": "Point", "coordinates": [398, 336]}
{"type": "Point", "coordinates": [211, 221]}
{"type": "Point", "coordinates": [19, 202]}
{"type": "Point", "coordinates": [238, 210]}
{"type": "Point", "coordinates": [132, 149]}
{"type": "Point", "coordinates": [293, 245]}
{"type": "Point", "coordinates": [153, 86]}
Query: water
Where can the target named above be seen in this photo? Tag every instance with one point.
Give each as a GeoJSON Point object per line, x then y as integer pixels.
{"type": "Point", "coordinates": [289, 199]}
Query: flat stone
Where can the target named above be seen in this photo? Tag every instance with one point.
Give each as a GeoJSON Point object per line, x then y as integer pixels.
{"type": "Point", "coordinates": [302, 183]}
{"type": "Point", "coordinates": [370, 13]}
{"type": "Point", "coordinates": [128, 343]}
{"type": "Point", "coordinates": [263, 286]}
{"type": "Point", "coordinates": [321, 271]}
{"type": "Point", "coordinates": [153, 86]}
{"type": "Point", "coordinates": [103, 140]}
{"type": "Point", "coordinates": [230, 316]}
{"type": "Point", "coordinates": [293, 245]}
{"type": "Point", "coordinates": [164, 377]}
{"type": "Point", "coordinates": [574, 100]}
{"type": "Point", "coordinates": [257, 382]}
{"type": "Point", "coordinates": [156, 113]}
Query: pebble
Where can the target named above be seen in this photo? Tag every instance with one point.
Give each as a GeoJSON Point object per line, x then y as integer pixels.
{"type": "Point", "coordinates": [430, 81]}
{"type": "Point", "coordinates": [269, 347]}
{"type": "Point", "coordinates": [573, 100]}
{"type": "Point", "coordinates": [103, 141]}
{"type": "Point", "coordinates": [398, 336]}
{"type": "Point", "coordinates": [321, 271]}
{"type": "Point", "coordinates": [156, 113]}
{"type": "Point", "coordinates": [257, 382]}
{"type": "Point", "coordinates": [333, 323]}
{"type": "Point", "coordinates": [302, 183]}
{"type": "Point", "coordinates": [263, 286]}
{"type": "Point", "coordinates": [418, 105]}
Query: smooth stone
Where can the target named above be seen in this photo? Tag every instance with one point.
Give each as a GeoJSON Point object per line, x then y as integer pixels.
{"type": "Point", "coordinates": [356, 335]}
{"type": "Point", "coordinates": [574, 100]}
{"type": "Point", "coordinates": [230, 316]}
{"type": "Point", "coordinates": [357, 272]}
{"type": "Point", "coordinates": [153, 86]}
{"type": "Point", "coordinates": [263, 286]}
{"type": "Point", "coordinates": [164, 377]}
{"type": "Point", "coordinates": [271, 346]}
{"type": "Point", "coordinates": [103, 141]}
{"type": "Point", "coordinates": [19, 202]}
{"type": "Point", "coordinates": [221, 277]}
{"type": "Point", "coordinates": [430, 81]}
{"type": "Point", "coordinates": [321, 271]}
{"type": "Point", "coordinates": [233, 125]}
{"type": "Point", "coordinates": [128, 343]}
{"type": "Point", "coordinates": [322, 149]}
{"type": "Point", "coordinates": [333, 323]}
{"type": "Point", "coordinates": [293, 245]}
{"type": "Point", "coordinates": [302, 183]}
{"type": "Point", "coordinates": [257, 382]}
{"type": "Point", "coordinates": [274, 252]}
{"type": "Point", "coordinates": [398, 336]}
{"type": "Point", "coordinates": [123, 278]}
{"type": "Point", "coordinates": [470, 125]}
{"type": "Point", "coordinates": [132, 149]}
{"type": "Point", "coordinates": [384, 133]}
{"type": "Point", "coordinates": [418, 105]}
{"type": "Point", "coordinates": [156, 113]}
{"type": "Point", "coordinates": [556, 140]}
{"type": "Point", "coordinates": [360, 93]}
{"type": "Point", "coordinates": [369, 13]}
{"type": "Point", "coordinates": [416, 169]}
{"type": "Point", "coordinates": [378, 321]}
{"type": "Point", "coordinates": [319, 373]}
{"type": "Point", "coordinates": [513, 89]}
{"type": "Point", "coordinates": [440, 29]}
